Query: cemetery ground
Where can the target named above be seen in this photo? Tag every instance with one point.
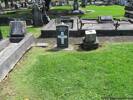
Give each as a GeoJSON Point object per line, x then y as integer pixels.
{"type": "Point", "coordinates": [71, 75]}
{"type": "Point", "coordinates": [43, 73]}
{"type": "Point", "coordinates": [90, 12]}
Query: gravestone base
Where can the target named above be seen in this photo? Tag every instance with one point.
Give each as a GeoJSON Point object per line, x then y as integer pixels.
{"type": "Point", "coordinates": [16, 39]}
{"type": "Point", "coordinates": [90, 45]}
{"type": "Point", "coordinates": [69, 48]}
{"type": "Point", "coordinates": [77, 12]}
{"type": "Point", "coordinates": [18, 31]}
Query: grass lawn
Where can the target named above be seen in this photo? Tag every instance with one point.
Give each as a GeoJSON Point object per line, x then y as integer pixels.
{"type": "Point", "coordinates": [64, 75]}
{"type": "Point", "coordinates": [20, 13]}
{"type": "Point", "coordinates": [115, 11]}
{"type": "Point", "coordinates": [34, 30]}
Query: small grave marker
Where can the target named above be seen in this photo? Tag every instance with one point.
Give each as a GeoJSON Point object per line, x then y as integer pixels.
{"type": "Point", "coordinates": [90, 40]}
{"type": "Point", "coordinates": [62, 35]}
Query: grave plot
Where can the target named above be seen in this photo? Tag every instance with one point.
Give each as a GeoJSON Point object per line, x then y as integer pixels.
{"type": "Point", "coordinates": [50, 29]}
{"type": "Point", "coordinates": [108, 28]}
{"type": "Point", "coordinates": [104, 26]}
{"type": "Point", "coordinates": [12, 49]}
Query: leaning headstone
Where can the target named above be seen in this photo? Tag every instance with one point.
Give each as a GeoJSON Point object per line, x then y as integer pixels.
{"type": "Point", "coordinates": [90, 40]}
{"type": "Point", "coordinates": [1, 37]}
{"type": "Point", "coordinates": [18, 30]}
{"type": "Point", "coordinates": [62, 36]}
{"type": "Point", "coordinates": [37, 16]}
{"type": "Point", "coordinates": [45, 17]}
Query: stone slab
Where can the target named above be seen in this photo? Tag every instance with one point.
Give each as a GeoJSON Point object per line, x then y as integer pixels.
{"type": "Point", "coordinates": [49, 30]}
{"type": "Point", "coordinates": [4, 44]}
{"type": "Point", "coordinates": [41, 45]}
{"type": "Point", "coordinates": [12, 54]}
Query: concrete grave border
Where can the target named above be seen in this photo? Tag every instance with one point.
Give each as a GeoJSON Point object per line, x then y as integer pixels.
{"type": "Point", "coordinates": [4, 44]}
{"type": "Point", "coordinates": [12, 54]}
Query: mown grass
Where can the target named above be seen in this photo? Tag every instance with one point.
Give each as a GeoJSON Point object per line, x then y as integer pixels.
{"type": "Point", "coordinates": [64, 75]}
{"type": "Point", "coordinates": [115, 11]}
{"type": "Point", "coordinates": [93, 11]}
{"type": "Point", "coordinates": [20, 13]}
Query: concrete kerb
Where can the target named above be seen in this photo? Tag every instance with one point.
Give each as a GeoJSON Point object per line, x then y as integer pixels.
{"type": "Point", "coordinates": [4, 43]}
{"type": "Point", "coordinates": [12, 54]}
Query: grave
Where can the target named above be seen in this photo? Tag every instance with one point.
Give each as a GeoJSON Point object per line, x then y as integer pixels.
{"type": "Point", "coordinates": [105, 19]}
{"type": "Point", "coordinates": [49, 30]}
{"type": "Point", "coordinates": [129, 10]}
{"type": "Point", "coordinates": [124, 27]}
{"type": "Point", "coordinates": [62, 35]}
{"type": "Point", "coordinates": [17, 30]}
{"type": "Point", "coordinates": [106, 26]}
{"type": "Point", "coordinates": [90, 40]}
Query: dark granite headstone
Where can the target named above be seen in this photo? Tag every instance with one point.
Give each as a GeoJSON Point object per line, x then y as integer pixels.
{"type": "Point", "coordinates": [62, 36]}
{"type": "Point", "coordinates": [17, 30]}
{"type": "Point", "coordinates": [37, 16]}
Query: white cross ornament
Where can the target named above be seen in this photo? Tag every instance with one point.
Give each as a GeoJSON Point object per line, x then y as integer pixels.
{"type": "Point", "coordinates": [62, 37]}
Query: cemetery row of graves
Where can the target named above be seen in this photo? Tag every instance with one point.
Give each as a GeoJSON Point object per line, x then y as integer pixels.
{"type": "Point", "coordinates": [68, 55]}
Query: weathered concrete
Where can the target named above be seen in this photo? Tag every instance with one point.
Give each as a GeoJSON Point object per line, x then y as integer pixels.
{"type": "Point", "coordinates": [49, 30]}
{"type": "Point", "coordinates": [4, 44]}
{"type": "Point", "coordinates": [12, 54]}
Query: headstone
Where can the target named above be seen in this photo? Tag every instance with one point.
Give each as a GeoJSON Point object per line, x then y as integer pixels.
{"type": "Point", "coordinates": [75, 5]}
{"type": "Point", "coordinates": [90, 40]}
{"type": "Point", "coordinates": [17, 30]}
{"type": "Point", "coordinates": [83, 3]}
{"type": "Point", "coordinates": [45, 17]}
{"type": "Point", "coordinates": [105, 19]}
{"type": "Point", "coordinates": [37, 16]}
{"type": "Point", "coordinates": [76, 8]}
{"type": "Point", "coordinates": [129, 10]}
{"type": "Point", "coordinates": [1, 37]}
{"type": "Point", "coordinates": [90, 36]}
{"type": "Point", "coordinates": [62, 36]}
